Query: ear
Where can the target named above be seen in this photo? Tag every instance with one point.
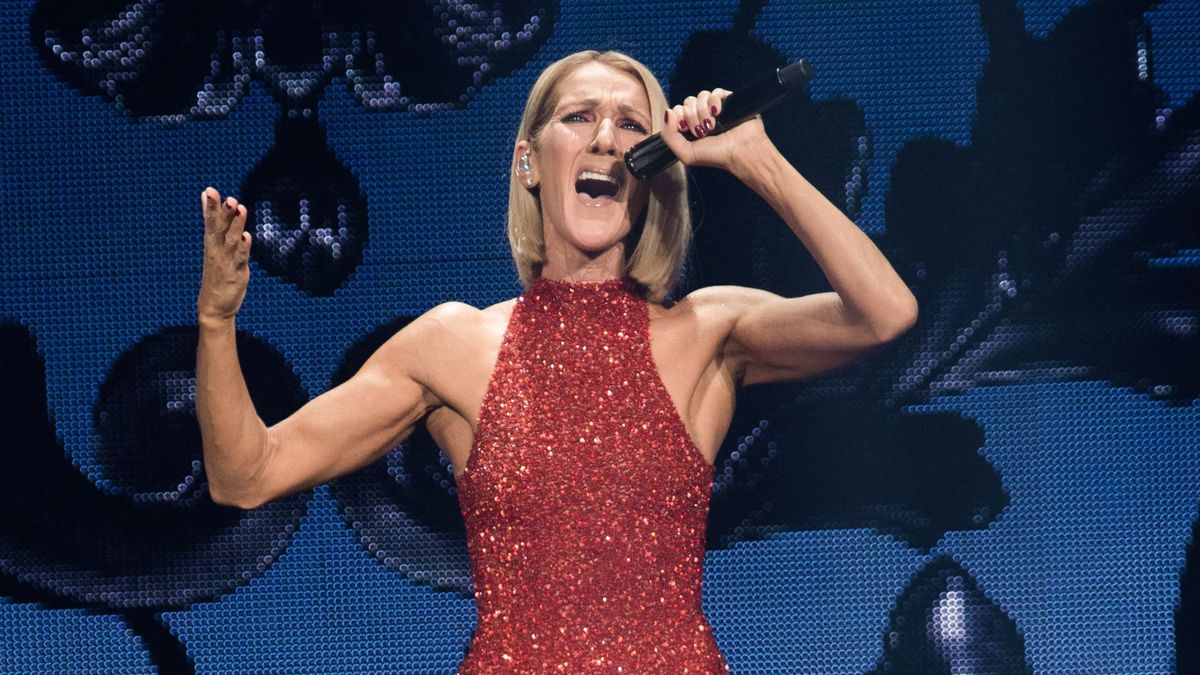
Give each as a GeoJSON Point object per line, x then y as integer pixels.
{"type": "Point", "coordinates": [526, 171]}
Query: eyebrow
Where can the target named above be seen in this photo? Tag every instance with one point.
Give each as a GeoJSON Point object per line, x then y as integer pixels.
{"type": "Point", "coordinates": [593, 102]}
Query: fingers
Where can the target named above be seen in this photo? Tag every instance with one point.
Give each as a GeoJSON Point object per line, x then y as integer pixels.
{"type": "Point", "coordinates": [687, 124]}
{"type": "Point", "coordinates": [208, 205]}
{"type": "Point", "coordinates": [228, 212]}
{"type": "Point", "coordinates": [242, 254]}
{"type": "Point", "coordinates": [237, 223]}
{"type": "Point", "coordinates": [693, 119]}
{"type": "Point", "coordinates": [209, 198]}
{"type": "Point", "coordinates": [672, 134]}
{"type": "Point", "coordinates": [223, 218]}
{"type": "Point", "coordinates": [704, 112]}
{"type": "Point", "coordinates": [679, 120]}
{"type": "Point", "coordinates": [698, 114]}
{"type": "Point", "coordinates": [225, 222]}
{"type": "Point", "coordinates": [716, 101]}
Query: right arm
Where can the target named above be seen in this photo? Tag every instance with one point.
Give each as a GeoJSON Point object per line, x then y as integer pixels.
{"type": "Point", "coordinates": [344, 429]}
{"type": "Point", "coordinates": [336, 433]}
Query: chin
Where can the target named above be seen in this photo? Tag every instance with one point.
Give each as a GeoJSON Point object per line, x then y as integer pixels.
{"type": "Point", "coordinates": [593, 225]}
{"type": "Point", "coordinates": [597, 237]}
{"type": "Point", "coordinates": [596, 246]}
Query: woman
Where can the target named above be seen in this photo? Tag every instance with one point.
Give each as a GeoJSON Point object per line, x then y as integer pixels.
{"type": "Point", "coordinates": [584, 417]}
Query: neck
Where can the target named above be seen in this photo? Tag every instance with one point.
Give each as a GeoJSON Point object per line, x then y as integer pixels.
{"type": "Point", "coordinates": [606, 266]}
{"type": "Point", "coordinates": [568, 263]}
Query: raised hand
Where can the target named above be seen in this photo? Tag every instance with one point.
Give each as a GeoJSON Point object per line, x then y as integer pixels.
{"type": "Point", "coordinates": [226, 258]}
{"type": "Point", "coordinates": [697, 115]}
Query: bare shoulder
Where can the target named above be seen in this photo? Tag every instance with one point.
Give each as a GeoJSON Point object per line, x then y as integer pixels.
{"type": "Point", "coordinates": [457, 321]}
{"type": "Point", "coordinates": [430, 330]}
{"type": "Point", "coordinates": [714, 315]}
{"type": "Point", "coordinates": [720, 306]}
{"type": "Point", "coordinates": [702, 321]}
{"type": "Point", "coordinates": [500, 311]}
{"type": "Point", "coordinates": [728, 297]}
{"type": "Point", "coordinates": [445, 335]}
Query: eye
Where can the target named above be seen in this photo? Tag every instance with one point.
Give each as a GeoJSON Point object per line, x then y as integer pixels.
{"type": "Point", "coordinates": [633, 126]}
{"type": "Point", "coordinates": [574, 117]}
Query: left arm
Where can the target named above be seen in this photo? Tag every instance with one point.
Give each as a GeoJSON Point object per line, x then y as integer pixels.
{"type": "Point", "coordinates": [774, 338]}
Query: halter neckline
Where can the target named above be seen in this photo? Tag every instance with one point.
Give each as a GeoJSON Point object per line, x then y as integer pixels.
{"type": "Point", "coordinates": [545, 285]}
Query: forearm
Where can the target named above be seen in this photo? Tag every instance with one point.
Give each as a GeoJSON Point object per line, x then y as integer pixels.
{"type": "Point", "coordinates": [235, 443]}
{"type": "Point", "coordinates": [870, 289]}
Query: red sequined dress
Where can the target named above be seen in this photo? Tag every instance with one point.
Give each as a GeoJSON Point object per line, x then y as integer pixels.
{"type": "Point", "coordinates": [584, 498]}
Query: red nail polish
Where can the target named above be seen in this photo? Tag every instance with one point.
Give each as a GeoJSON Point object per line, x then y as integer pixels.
{"type": "Point", "coordinates": [709, 124]}
{"type": "Point", "coordinates": [699, 131]}
{"type": "Point", "coordinates": [683, 125]}
{"type": "Point", "coordinates": [714, 111]}
{"type": "Point", "coordinates": [666, 116]}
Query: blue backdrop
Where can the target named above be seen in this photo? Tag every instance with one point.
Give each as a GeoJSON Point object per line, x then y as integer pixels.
{"type": "Point", "coordinates": [1012, 487]}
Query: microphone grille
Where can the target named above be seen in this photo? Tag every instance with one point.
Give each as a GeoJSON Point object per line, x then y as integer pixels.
{"type": "Point", "coordinates": [795, 74]}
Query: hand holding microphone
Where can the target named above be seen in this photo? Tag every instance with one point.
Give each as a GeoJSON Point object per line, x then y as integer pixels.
{"type": "Point", "coordinates": [652, 155]}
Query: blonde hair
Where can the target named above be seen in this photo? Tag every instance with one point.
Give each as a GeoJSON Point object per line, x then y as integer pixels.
{"type": "Point", "coordinates": [666, 231]}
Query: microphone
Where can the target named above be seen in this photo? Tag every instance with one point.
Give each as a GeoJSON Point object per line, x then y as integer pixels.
{"type": "Point", "coordinates": [652, 155]}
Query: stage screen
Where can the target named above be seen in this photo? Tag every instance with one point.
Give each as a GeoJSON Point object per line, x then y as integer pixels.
{"type": "Point", "coordinates": [1010, 487]}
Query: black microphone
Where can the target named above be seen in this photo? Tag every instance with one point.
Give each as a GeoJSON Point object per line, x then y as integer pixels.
{"type": "Point", "coordinates": [652, 155]}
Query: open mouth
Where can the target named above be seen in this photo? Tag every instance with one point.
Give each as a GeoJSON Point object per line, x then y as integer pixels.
{"type": "Point", "coordinates": [597, 185]}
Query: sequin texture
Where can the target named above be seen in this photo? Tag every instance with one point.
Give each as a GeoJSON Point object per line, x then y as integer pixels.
{"type": "Point", "coordinates": [584, 498]}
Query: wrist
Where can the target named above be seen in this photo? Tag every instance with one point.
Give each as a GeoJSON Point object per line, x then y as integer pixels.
{"type": "Point", "coordinates": [759, 167]}
{"type": "Point", "coordinates": [216, 323]}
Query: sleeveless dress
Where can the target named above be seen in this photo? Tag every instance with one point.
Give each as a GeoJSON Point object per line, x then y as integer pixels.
{"type": "Point", "coordinates": [584, 498]}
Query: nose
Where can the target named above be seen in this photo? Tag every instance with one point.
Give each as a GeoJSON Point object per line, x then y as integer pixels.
{"type": "Point", "coordinates": [605, 140]}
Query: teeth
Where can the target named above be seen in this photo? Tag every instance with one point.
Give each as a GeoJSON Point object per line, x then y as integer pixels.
{"type": "Point", "coordinates": [595, 175]}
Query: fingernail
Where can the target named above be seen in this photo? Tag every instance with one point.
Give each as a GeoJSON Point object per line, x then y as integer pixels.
{"type": "Point", "coordinates": [682, 125]}
{"type": "Point", "coordinates": [708, 124]}
{"type": "Point", "coordinates": [666, 116]}
{"type": "Point", "coordinates": [714, 111]}
{"type": "Point", "coordinates": [699, 131]}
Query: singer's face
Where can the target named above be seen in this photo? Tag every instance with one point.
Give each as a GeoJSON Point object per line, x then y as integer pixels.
{"type": "Point", "coordinates": [589, 199]}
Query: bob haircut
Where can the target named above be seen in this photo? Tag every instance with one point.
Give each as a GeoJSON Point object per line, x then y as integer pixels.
{"type": "Point", "coordinates": [662, 232]}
